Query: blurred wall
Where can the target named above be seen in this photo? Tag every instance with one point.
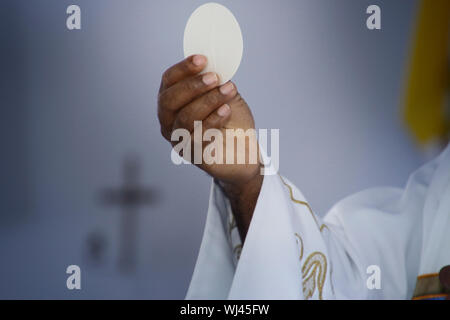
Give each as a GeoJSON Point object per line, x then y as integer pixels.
{"type": "Point", "coordinates": [79, 102]}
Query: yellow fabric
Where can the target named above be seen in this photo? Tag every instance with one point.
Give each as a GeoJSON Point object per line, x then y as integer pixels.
{"type": "Point", "coordinates": [428, 81]}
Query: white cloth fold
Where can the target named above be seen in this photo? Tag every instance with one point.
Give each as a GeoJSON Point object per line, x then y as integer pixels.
{"type": "Point", "coordinates": [290, 253]}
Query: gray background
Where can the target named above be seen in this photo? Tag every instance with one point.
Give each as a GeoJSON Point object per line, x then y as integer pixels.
{"type": "Point", "coordinates": [76, 103]}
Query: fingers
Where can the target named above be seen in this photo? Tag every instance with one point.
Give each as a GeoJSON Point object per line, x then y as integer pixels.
{"type": "Point", "coordinates": [182, 70]}
{"type": "Point", "coordinates": [215, 120]}
{"type": "Point", "coordinates": [183, 92]}
{"type": "Point", "coordinates": [201, 108]}
{"type": "Point", "coordinates": [186, 96]}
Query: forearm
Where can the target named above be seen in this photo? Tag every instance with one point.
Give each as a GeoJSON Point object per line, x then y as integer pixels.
{"type": "Point", "coordinates": [243, 200]}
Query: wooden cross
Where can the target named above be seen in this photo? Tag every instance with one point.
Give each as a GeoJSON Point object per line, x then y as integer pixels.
{"type": "Point", "coordinates": [129, 197]}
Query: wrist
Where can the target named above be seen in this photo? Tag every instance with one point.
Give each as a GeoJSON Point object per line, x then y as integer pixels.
{"type": "Point", "coordinates": [241, 189]}
{"type": "Point", "coordinates": [243, 197]}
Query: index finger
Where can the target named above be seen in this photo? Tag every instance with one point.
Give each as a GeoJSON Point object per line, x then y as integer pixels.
{"type": "Point", "coordinates": [186, 68]}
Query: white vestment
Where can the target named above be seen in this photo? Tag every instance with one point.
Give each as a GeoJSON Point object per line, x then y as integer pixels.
{"type": "Point", "coordinates": [290, 253]}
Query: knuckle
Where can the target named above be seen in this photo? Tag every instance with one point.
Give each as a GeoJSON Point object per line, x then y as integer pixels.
{"type": "Point", "coordinates": [165, 133]}
{"type": "Point", "coordinates": [183, 119]}
{"type": "Point", "coordinates": [212, 98]}
{"type": "Point", "coordinates": [159, 115]}
{"type": "Point", "coordinates": [213, 121]}
{"type": "Point", "coordinates": [191, 85]}
{"type": "Point", "coordinates": [165, 77]}
{"type": "Point", "coordinates": [238, 101]}
{"type": "Point", "coordinates": [162, 100]}
{"type": "Point", "coordinates": [167, 101]}
{"type": "Point", "coordinates": [162, 117]}
{"type": "Point", "coordinates": [162, 131]}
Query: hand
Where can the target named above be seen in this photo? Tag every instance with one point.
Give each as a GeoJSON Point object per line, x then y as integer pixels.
{"type": "Point", "coordinates": [186, 96]}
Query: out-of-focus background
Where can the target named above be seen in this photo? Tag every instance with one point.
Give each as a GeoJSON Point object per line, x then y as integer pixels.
{"type": "Point", "coordinates": [78, 123]}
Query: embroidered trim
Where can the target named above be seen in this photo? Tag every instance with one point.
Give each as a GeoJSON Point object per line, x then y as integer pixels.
{"type": "Point", "coordinates": [432, 297]}
{"type": "Point", "coordinates": [429, 286]}
{"type": "Point", "coordinates": [291, 194]}
{"type": "Point", "coordinates": [428, 275]}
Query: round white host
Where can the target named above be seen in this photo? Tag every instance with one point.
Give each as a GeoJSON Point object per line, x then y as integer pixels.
{"type": "Point", "coordinates": [213, 31]}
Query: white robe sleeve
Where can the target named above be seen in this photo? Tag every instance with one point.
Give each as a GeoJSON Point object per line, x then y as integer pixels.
{"type": "Point", "coordinates": [290, 253]}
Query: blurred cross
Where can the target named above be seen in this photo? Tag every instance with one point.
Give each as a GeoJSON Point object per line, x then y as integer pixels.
{"type": "Point", "coordinates": [129, 197]}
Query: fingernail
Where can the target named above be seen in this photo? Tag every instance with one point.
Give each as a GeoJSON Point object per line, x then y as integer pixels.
{"type": "Point", "coordinates": [226, 88]}
{"type": "Point", "coordinates": [209, 78]}
{"type": "Point", "coordinates": [199, 60]}
{"type": "Point", "coordinates": [224, 110]}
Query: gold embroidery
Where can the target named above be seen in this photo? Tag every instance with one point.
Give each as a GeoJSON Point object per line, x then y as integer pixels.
{"type": "Point", "coordinates": [291, 194]}
{"type": "Point", "coordinates": [301, 245]}
{"type": "Point", "coordinates": [314, 271]}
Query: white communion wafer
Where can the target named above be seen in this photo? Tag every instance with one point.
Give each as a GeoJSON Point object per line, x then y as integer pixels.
{"type": "Point", "coordinates": [213, 31]}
